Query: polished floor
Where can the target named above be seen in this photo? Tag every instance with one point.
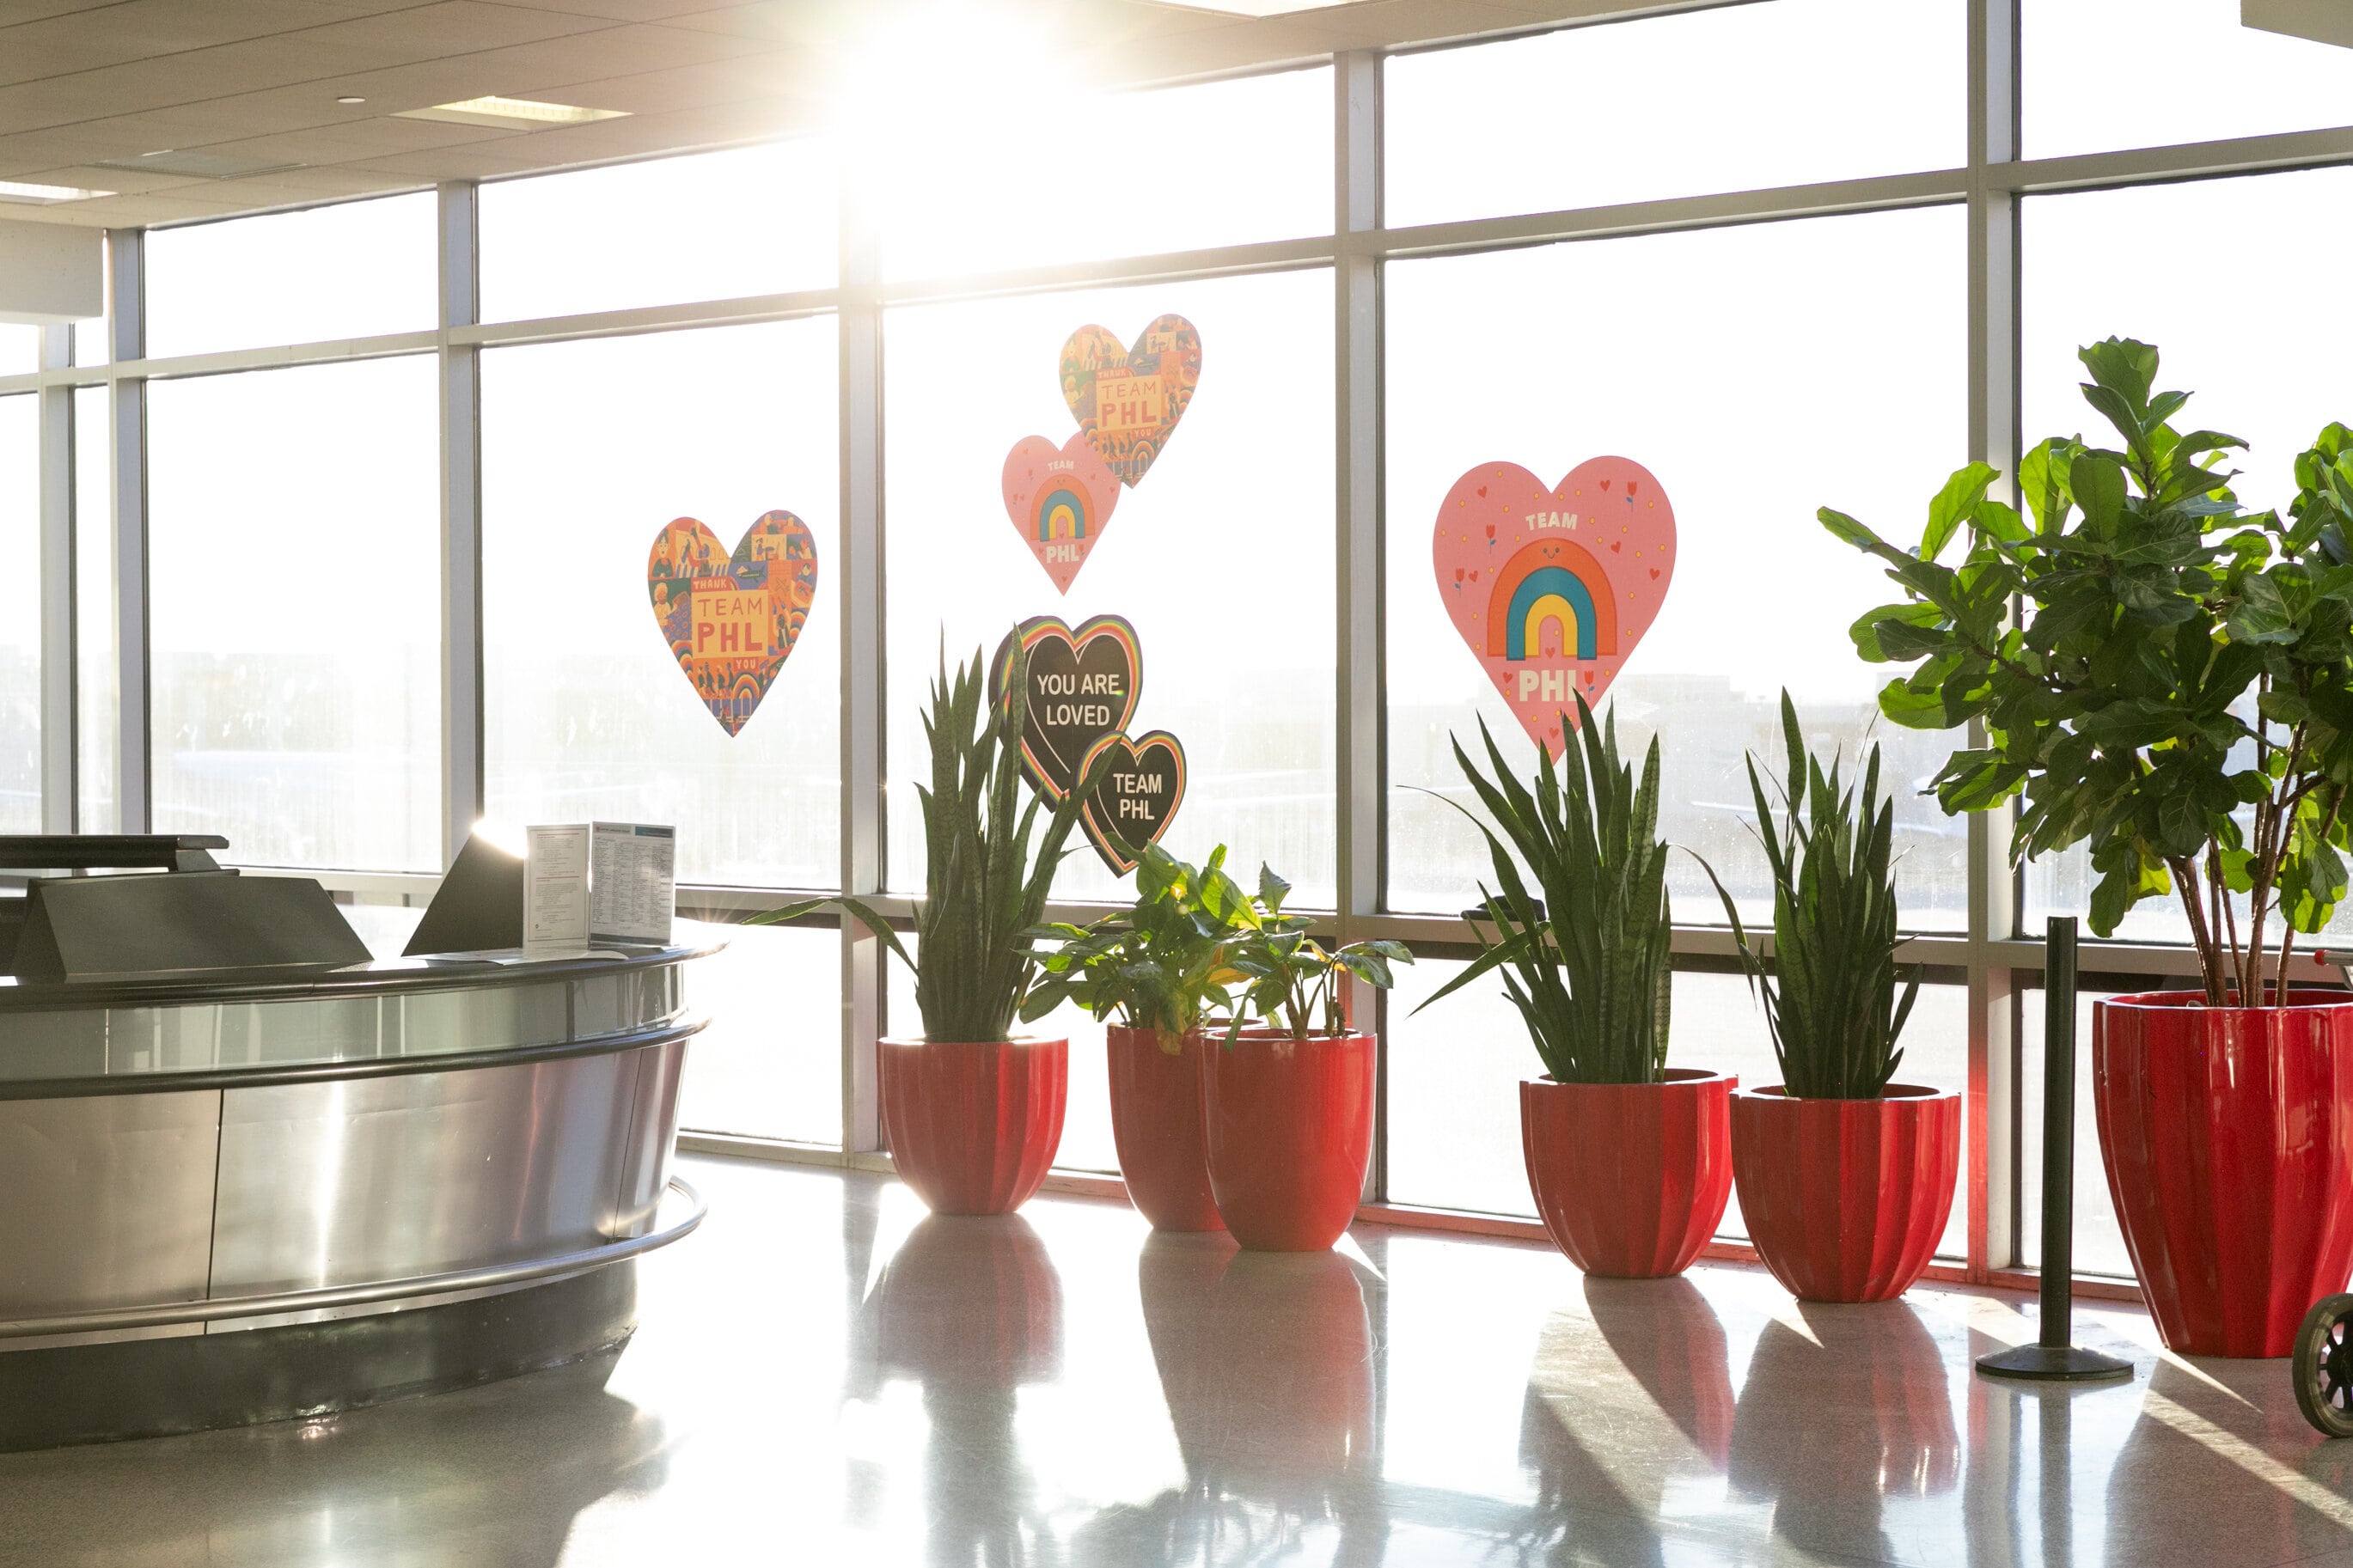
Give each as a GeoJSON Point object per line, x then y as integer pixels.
{"type": "Point", "coordinates": [824, 1375]}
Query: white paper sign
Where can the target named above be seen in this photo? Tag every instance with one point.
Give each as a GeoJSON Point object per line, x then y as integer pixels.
{"type": "Point", "coordinates": [632, 883]}
{"type": "Point", "coordinates": [555, 889]}
{"type": "Point", "coordinates": [591, 882]}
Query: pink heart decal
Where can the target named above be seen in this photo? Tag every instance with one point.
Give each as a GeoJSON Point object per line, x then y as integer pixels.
{"type": "Point", "coordinates": [1552, 613]}
{"type": "Point", "coordinates": [1060, 499]}
{"type": "Point", "coordinates": [731, 622]}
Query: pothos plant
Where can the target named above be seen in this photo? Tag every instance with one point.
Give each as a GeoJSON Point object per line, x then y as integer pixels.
{"type": "Point", "coordinates": [1291, 980]}
{"type": "Point", "coordinates": [1160, 965]}
{"type": "Point", "coordinates": [2177, 689]}
{"type": "Point", "coordinates": [984, 891]}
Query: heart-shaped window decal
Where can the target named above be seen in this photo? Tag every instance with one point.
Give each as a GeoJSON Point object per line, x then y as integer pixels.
{"type": "Point", "coordinates": [731, 622]}
{"type": "Point", "coordinates": [1083, 685]}
{"type": "Point", "coordinates": [1137, 798]}
{"type": "Point", "coordinates": [1127, 400]}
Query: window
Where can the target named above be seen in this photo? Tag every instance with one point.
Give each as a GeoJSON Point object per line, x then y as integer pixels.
{"type": "Point", "coordinates": [770, 1064]}
{"type": "Point", "coordinates": [1223, 162]}
{"type": "Point", "coordinates": [98, 689]}
{"type": "Point", "coordinates": [20, 616]}
{"type": "Point", "coordinates": [2098, 1236]}
{"type": "Point", "coordinates": [1702, 334]}
{"type": "Point", "coordinates": [589, 450]}
{"type": "Point", "coordinates": [1238, 663]}
{"type": "Point", "coordinates": [345, 271]}
{"type": "Point", "coordinates": [2233, 78]}
{"type": "Point", "coordinates": [1729, 99]}
{"type": "Point", "coordinates": [295, 614]}
{"type": "Point", "coordinates": [20, 349]}
{"type": "Point", "coordinates": [2265, 369]}
{"type": "Point", "coordinates": [720, 225]}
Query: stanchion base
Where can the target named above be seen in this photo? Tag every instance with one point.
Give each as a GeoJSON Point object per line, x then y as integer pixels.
{"type": "Point", "coordinates": [2052, 1364]}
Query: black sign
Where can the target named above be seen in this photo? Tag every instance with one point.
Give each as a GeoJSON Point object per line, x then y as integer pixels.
{"type": "Point", "coordinates": [1083, 687]}
{"type": "Point", "coordinates": [1137, 798]}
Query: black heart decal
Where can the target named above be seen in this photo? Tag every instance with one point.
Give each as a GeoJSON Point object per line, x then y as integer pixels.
{"type": "Point", "coordinates": [1083, 687]}
{"type": "Point", "coordinates": [1137, 798]}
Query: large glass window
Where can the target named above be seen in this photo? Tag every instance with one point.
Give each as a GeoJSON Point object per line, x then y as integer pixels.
{"type": "Point", "coordinates": [97, 666]}
{"type": "Point", "coordinates": [1221, 557]}
{"type": "Point", "coordinates": [1748, 370]}
{"type": "Point", "coordinates": [2088, 65]}
{"type": "Point", "coordinates": [719, 226]}
{"type": "Point", "coordinates": [349, 270]}
{"type": "Point", "coordinates": [295, 616]}
{"type": "Point", "coordinates": [1729, 99]}
{"type": "Point", "coordinates": [20, 616]}
{"type": "Point", "coordinates": [20, 349]}
{"type": "Point", "coordinates": [2267, 367]}
{"type": "Point", "coordinates": [589, 450]}
{"type": "Point", "coordinates": [1088, 178]}
{"type": "Point", "coordinates": [770, 1064]}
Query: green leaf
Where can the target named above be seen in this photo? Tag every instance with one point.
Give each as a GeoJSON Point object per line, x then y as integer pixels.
{"type": "Point", "coordinates": [1953, 506]}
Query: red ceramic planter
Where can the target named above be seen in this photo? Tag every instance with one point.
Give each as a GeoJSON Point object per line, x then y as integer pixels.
{"type": "Point", "coordinates": [974, 1127]}
{"type": "Point", "coordinates": [2228, 1137]}
{"type": "Point", "coordinates": [1155, 1122]}
{"type": "Point", "coordinates": [1846, 1199]}
{"type": "Point", "coordinates": [1631, 1178]}
{"type": "Point", "coordinates": [1288, 1125]}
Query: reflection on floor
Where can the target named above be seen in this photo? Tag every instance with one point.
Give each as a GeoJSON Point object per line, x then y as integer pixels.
{"type": "Point", "coordinates": [825, 1376]}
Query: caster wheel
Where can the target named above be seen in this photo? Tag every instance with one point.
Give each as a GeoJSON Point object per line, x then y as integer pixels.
{"type": "Point", "coordinates": [2323, 1366]}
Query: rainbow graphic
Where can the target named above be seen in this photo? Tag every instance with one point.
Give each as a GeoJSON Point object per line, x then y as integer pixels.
{"type": "Point", "coordinates": [1063, 511]}
{"type": "Point", "coordinates": [1551, 581]}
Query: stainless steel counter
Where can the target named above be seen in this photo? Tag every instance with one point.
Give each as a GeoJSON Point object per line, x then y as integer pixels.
{"type": "Point", "coordinates": [187, 1157]}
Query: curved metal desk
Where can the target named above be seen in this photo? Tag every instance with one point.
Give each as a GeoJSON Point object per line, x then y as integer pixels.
{"type": "Point", "coordinates": [240, 1198]}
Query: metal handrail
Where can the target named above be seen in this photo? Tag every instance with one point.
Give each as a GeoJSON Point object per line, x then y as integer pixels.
{"type": "Point", "coordinates": [105, 1318]}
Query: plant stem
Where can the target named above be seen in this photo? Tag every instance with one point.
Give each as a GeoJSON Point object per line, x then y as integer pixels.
{"type": "Point", "coordinates": [2224, 915]}
{"type": "Point", "coordinates": [2185, 879]}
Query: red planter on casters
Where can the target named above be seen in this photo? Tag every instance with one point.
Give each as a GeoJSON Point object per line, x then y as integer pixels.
{"type": "Point", "coordinates": [2228, 1137]}
{"type": "Point", "coordinates": [972, 1127]}
{"type": "Point", "coordinates": [1156, 1120]}
{"type": "Point", "coordinates": [1846, 1199]}
{"type": "Point", "coordinates": [1630, 1178]}
{"type": "Point", "coordinates": [1289, 1128]}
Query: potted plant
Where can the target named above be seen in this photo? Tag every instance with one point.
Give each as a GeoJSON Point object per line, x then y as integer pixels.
{"type": "Point", "coordinates": [1156, 967]}
{"type": "Point", "coordinates": [1845, 1177]}
{"type": "Point", "coordinates": [1630, 1161]}
{"type": "Point", "coordinates": [1287, 1107]}
{"type": "Point", "coordinates": [2177, 696]}
{"type": "Point", "coordinates": [971, 1112]}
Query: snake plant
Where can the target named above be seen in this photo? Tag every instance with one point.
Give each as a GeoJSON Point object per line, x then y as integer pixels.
{"type": "Point", "coordinates": [1828, 989]}
{"type": "Point", "coordinates": [1587, 963]}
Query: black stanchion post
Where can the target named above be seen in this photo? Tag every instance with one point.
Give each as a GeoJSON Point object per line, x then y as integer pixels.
{"type": "Point", "coordinates": [2054, 1357]}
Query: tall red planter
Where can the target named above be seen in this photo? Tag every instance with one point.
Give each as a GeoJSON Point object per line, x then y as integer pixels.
{"type": "Point", "coordinates": [2227, 1133]}
{"type": "Point", "coordinates": [1287, 1126]}
{"type": "Point", "coordinates": [972, 1127]}
{"type": "Point", "coordinates": [1630, 1179]}
{"type": "Point", "coordinates": [1846, 1199]}
{"type": "Point", "coordinates": [1156, 1122]}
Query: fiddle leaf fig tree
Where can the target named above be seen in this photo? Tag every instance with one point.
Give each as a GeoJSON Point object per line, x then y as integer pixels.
{"type": "Point", "coordinates": [2176, 689]}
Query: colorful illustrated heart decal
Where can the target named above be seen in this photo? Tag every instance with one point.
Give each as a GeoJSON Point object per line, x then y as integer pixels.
{"type": "Point", "coordinates": [1550, 619]}
{"type": "Point", "coordinates": [1127, 400]}
{"type": "Point", "coordinates": [730, 623]}
{"type": "Point", "coordinates": [1060, 499]}
{"type": "Point", "coordinates": [1137, 800]}
{"type": "Point", "coordinates": [1082, 687]}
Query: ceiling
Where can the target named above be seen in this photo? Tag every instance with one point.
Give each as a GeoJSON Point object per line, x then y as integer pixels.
{"type": "Point", "coordinates": [86, 81]}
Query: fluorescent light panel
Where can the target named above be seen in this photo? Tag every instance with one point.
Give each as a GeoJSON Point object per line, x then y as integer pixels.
{"type": "Point", "coordinates": [30, 194]}
{"type": "Point", "coordinates": [511, 113]}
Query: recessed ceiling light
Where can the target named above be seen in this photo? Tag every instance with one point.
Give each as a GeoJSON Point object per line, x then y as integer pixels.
{"type": "Point", "coordinates": [42, 196]}
{"type": "Point", "coordinates": [511, 113]}
{"type": "Point", "coordinates": [350, 101]}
